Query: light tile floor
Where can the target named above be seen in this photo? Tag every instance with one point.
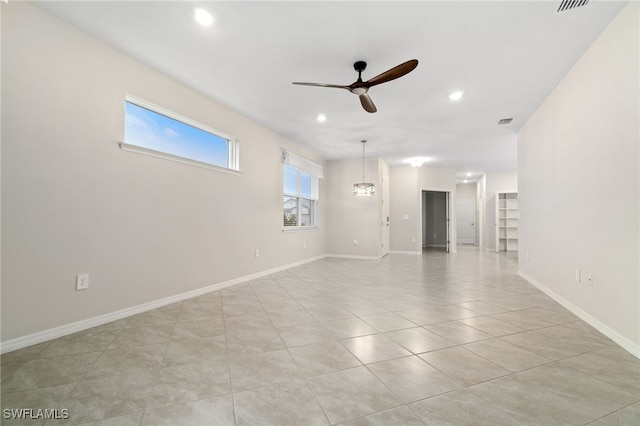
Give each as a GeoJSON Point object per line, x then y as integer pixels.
{"type": "Point", "coordinates": [405, 340]}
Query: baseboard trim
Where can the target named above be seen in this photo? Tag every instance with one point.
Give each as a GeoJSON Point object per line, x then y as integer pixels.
{"type": "Point", "coordinates": [349, 256]}
{"type": "Point", "coordinates": [627, 344]}
{"type": "Point", "coordinates": [415, 253]}
{"type": "Point", "coordinates": [63, 330]}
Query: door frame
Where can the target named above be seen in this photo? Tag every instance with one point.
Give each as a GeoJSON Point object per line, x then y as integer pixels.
{"type": "Point", "coordinates": [450, 217]}
{"type": "Point", "coordinates": [385, 212]}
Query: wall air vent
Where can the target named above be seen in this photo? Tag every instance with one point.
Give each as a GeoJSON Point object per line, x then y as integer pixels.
{"type": "Point", "coordinates": [505, 121]}
{"type": "Point", "coordinates": [571, 4]}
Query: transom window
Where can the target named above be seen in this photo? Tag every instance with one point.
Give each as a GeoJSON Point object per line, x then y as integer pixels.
{"type": "Point", "coordinates": [156, 131]}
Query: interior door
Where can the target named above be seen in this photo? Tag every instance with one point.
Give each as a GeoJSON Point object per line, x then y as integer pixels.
{"type": "Point", "coordinates": [385, 209]}
{"type": "Point", "coordinates": [465, 220]}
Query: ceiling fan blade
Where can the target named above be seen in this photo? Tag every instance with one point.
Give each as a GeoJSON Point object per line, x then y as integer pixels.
{"type": "Point", "coordinates": [337, 86]}
{"type": "Point", "coordinates": [367, 103]}
{"type": "Point", "coordinates": [393, 73]}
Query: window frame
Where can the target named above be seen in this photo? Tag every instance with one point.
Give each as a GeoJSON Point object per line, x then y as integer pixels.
{"type": "Point", "coordinates": [315, 184]}
{"type": "Point", "coordinates": [233, 145]}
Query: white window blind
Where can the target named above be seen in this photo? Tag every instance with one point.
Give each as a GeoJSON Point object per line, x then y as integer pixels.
{"type": "Point", "coordinates": [301, 163]}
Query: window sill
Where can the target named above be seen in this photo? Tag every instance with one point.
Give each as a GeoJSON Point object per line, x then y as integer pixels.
{"type": "Point", "coordinates": [300, 229]}
{"type": "Point", "coordinates": [165, 156]}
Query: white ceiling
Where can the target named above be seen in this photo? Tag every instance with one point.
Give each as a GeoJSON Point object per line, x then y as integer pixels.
{"type": "Point", "coordinates": [507, 56]}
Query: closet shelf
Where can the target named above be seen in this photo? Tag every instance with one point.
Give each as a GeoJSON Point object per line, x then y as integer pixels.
{"type": "Point", "coordinates": [507, 219]}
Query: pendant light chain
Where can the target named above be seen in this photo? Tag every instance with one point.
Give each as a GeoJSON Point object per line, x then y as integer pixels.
{"type": "Point", "coordinates": [363, 188]}
{"type": "Point", "coordinates": [363, 142]}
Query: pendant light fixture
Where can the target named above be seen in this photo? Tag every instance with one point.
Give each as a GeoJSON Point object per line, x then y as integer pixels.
{"type": "Point", "coordinates": [363, 189]}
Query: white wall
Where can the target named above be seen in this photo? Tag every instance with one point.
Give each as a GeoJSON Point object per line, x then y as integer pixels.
{"type": "Point", "coordinates": [405, 210]}
{"type": "Point", "coordinates": [467, 190]}
{"type": "Point", "coordinates": [578, 162]}
{"type": "Point", "coordinates": [495, 182]}
{"type": "Point", "coordinates": [142, 227]}
{"type": "Point", "coordinates": [350, 217]}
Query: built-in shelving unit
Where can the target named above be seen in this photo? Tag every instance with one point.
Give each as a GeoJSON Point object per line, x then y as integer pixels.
{"type": "Point", "coordinates": [507, 221]}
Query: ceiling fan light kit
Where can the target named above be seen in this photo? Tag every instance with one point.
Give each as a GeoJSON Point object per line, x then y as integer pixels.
{"type": "Point", "coordinates": [363, 189]}
{"type": "Point", "coordinates": [361, 88]}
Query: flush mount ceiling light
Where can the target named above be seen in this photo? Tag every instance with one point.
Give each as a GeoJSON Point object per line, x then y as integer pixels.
{"type": "Point", "coordinates": [321, 118]}
{"type": "Point", "coordinates": [457, 95]}
{"type": "Point", "coordinates": [417, 161]}
{"type": "Point", "coordinates": [203, 17]}
{"type": "Point", "coordinates": [363, 189]}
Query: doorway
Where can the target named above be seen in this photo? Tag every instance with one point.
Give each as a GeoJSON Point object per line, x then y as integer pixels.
{"type": "Point", "coordinates": [435, 221]}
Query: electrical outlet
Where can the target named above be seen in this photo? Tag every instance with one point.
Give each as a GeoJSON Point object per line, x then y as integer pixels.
{"type": "Point", "coordinates": [577, 275]}
{"type": "Point", "coordinates": [413, 239]}
{"type": "Point", "coordinates": [355, 242]}
{"type": "Point", "coordinates": [82, 281]}
{"type": "Point", "coordinates": [257, 252]}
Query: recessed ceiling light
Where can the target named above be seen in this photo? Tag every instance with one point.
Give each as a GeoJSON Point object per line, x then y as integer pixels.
{"type": "Point", "coordinates": [468, 174]}
{"type": "Point", "coordinates": [321, 118]}
{"type": "Point", "coordinates": [457, 95]}
{"type": "Point", "coordinates": [203, 17]}
{"type": "Point", "coordinates": [465, 181]}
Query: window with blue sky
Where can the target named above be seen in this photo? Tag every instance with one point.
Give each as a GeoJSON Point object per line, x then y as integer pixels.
{"type": "Point", "coordinates": [157, 131]}
{"type": "Point", "coordinates": [299, 197]}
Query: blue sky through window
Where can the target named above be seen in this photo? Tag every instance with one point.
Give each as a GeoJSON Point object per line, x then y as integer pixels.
{"type": "Point", "coordinates": [290, 180]}
{"type": "Point", "coordinates": [151, 130]}
{"type": "Point", "coordinates": [305, 184]}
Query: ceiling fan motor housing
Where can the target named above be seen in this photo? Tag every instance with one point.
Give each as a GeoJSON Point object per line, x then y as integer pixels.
{"type": "Point", "coordinates": [360, 66]}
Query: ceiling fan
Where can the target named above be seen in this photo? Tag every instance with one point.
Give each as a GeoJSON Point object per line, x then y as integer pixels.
{"type": "Point", "coordinates": [361, 88]}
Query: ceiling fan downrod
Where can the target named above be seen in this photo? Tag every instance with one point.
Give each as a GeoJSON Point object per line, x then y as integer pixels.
{"type": "Point", "coordinates": [360, 66]}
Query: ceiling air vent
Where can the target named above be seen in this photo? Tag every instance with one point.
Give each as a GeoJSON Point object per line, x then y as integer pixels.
{"type": "Point", "coordinates": [571, 4]}
{"type": "Point", "coordinates": [505, 121]}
